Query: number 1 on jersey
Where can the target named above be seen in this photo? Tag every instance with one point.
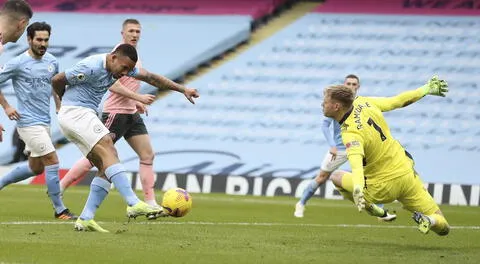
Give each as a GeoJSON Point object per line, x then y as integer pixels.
{"type": "Point", "coordinates": [379, 129]}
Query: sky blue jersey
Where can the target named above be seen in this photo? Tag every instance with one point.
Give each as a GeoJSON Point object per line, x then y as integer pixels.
{"type": "Point", "coordinates": [32, 82]}
{"type": "Point", "coordinates": [334, 140]}
{"type": "Point", "coordinates": [88, 81]}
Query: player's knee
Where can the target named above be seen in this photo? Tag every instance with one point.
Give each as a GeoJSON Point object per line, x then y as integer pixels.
{"type": "Point", "coordinates": [147, 157]}
{"type": "Point", "coordinates": [444, 231]}
{"type": "Point", "coordinates": [336, 178]}
{"type": "Point", "coordinates": [37, 169]}
{"type": "Point", "coordinates": [50, 159]}
{"type": "Point", "coordinates": [106, 140]}
{"type": "Point", "coordinates": [106, 144]}
{"type": "Point", "coordinates": [322, 177]}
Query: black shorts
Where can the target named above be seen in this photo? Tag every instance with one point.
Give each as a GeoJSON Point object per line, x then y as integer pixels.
{"type": "Point", "coordinates": [124, 125]}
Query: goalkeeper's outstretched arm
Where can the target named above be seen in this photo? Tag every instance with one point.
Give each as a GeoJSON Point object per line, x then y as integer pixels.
{"type": "Point", "coordinates": [433, 87]}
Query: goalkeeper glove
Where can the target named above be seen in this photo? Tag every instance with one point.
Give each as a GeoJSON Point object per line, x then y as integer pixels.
{"type": "Point", "coordinates": [434, 86]}
{"type": "Point", "coordinates": [358, 198]}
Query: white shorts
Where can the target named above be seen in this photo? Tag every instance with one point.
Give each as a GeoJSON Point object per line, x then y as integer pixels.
{"type": "Point", "coordinates": [329, 165]}
{"type": "Point", "coordinates": [81, 126]}
{"type": "Point", "coordinates": [37, 140]}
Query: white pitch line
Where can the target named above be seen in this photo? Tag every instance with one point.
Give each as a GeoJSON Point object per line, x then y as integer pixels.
{"type": "Point", "coordinates": [386, 226]}
{"type": "Point", "coordinates": [329, 203]}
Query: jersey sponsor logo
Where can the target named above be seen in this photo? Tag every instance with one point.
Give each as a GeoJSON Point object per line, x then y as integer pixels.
{"type": "Point", "coordinates": [352, 144]}
{"type": "Point", "coordinates": [39, 83]}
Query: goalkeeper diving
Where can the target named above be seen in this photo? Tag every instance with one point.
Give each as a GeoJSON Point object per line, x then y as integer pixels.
{"type": "Point", "coordinates": [382, 170]}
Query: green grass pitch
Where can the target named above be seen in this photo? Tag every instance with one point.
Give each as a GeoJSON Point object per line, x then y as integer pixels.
{"type": "Point", "coordinates": [227, 229]}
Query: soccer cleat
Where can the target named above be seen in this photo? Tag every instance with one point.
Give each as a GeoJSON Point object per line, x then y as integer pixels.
{"type": "Point", "coordinates": [299, 209]}
{"type": "Point", "coordinates": [161, 213]}
{"type": "Point", "coordinates": [88, 225]}
{"type": "Point", "coordinates": [66, 215]}
{"type": "Point", "coordinates": [388, 217]}
{"type": "Point", "coordinates": [142, 208]}
{"type": "Point", "coordinates": [423, 222]}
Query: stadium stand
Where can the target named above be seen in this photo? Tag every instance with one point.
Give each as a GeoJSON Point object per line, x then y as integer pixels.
{"type": "Point", "coordinates": [262, 110]}
{"type": "Point", "coordinates": [172, 45]}
{"type": "Point", "coordinates": [257, 9]}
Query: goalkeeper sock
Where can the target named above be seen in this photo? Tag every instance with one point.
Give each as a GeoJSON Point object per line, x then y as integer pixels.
{"type": "Point", "coordinates": [376, 210]}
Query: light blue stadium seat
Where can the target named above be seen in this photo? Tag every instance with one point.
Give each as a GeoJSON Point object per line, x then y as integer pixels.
{"type": "Point", "coordinates": [275, 115]}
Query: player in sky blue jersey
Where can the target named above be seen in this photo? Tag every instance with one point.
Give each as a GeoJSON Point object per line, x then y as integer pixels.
{"type": "Point", "coordinates": [31, 73]}
{"type": "Point", "coordinates": [87, 82]}
{"type": "Point", "coordinates": [14, 18]}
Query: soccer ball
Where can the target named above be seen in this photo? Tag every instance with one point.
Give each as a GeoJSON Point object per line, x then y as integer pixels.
{"type": "Point", "coordinates": [177, 202]}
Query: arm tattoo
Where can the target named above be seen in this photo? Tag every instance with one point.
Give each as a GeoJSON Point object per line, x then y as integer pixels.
{"type": "Point", "coordinates": [162, 82]}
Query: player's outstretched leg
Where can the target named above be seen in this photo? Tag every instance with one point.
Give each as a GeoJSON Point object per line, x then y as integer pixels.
{"type": "Point", "coordinates": [78, 171]}
{"type": "Point", "coordinates": [116, 173]}
{"type": "Point", "coordinates": [18, 174]}
{"type": "Point", "coordinates": [426, 212]}
{"type": "Point", "coordinates": [344, 184]}
{"type": "Point", "coordinates": [435, 222]}
{"type": "Point", "coordinates": [98, 191]}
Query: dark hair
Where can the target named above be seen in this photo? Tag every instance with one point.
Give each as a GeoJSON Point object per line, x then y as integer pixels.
{"type": "Point", "coordinates": [340, 93]}
{"type": "Point", "coordinates": [352, 76]}
{"type": "Point", "coordinates": [38, 26]}
{"type": "Point", "coordinates": [127, 50]}
{"type": "Point", "coordinates": [130, 21]}
{"type": "Point", "coordinates": [17, 7]}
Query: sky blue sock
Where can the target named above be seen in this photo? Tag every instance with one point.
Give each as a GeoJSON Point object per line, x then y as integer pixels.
{"type": "Point", "coordinates": [116, 174]}
{"type": "Point", "coordinates": [98, 191]}
{"type": "Point", "coordinates": [309, 191]}
{"type": "Point", "coordinates": [20, 173]}
{"type": "Point", "coordinates": [53, 186]}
